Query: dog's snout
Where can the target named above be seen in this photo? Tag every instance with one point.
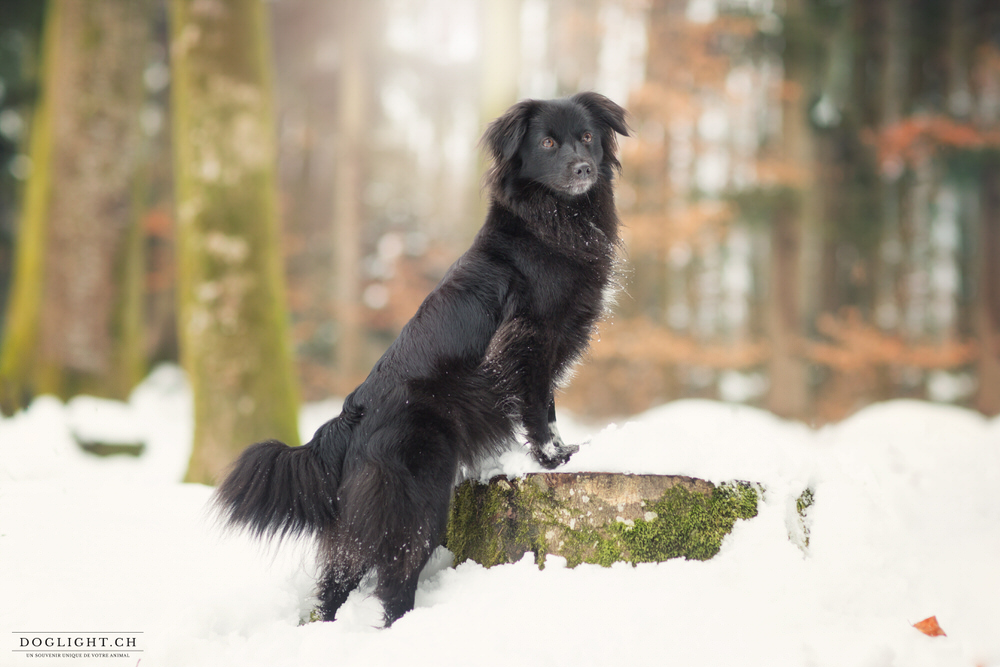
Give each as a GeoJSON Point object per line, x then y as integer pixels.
{"type": "Point", "coordinates": [582, 169]}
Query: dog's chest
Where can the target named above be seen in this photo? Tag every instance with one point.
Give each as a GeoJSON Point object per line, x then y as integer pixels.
{"type": "Point", "coordinates": [566, 286]}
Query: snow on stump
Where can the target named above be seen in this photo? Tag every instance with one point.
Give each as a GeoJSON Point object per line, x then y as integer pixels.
{"type": "Point", "coordinates": [595, 517]}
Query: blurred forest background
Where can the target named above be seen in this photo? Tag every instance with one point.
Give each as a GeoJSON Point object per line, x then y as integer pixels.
{"type": "Point", "coordinates": [811, 196]}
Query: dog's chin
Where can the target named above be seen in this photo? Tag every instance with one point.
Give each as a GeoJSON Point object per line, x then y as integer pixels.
{"type": "Point", "coordinates": [576, 187]}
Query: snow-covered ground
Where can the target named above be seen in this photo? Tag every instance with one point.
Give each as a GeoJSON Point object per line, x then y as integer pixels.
{"type": "Point", "coordinates": [905, 525]}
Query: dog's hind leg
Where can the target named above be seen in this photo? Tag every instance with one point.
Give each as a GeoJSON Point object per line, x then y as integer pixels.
{"type": "Point", "coordinates": [419, 521]}
{"type": "Point", "coordinates": [426, 521]}
{"type": "Point", "coordinates": [397, 579]}
{"type": "Point", "coordinates": [343, 568]}
{"type": "Point", "coordinates": [334, 588]}
{"type": "Point", "coordinates": [397, 596]}
{"type": "Point", "coordinates": [398, 574]}
{"type": "Point", "coordinates": [395, 510]}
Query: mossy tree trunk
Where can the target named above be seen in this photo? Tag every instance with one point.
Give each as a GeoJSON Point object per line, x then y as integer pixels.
{"type": "Point", "coordinates": [595, 518]}
{"type": "Point", "coordinates": [233, 327]}
{"type": "Point", "coordinates": [73, 321]}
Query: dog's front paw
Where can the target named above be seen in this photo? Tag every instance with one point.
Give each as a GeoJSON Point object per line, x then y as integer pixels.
{"type": "Point", "coordinates": [554, 453]}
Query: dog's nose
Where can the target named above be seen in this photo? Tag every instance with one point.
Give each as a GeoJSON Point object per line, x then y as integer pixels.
{"type": "Point", "coordinates": [582, 169]}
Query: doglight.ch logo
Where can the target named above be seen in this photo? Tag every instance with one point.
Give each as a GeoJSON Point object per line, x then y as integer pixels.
{"type": "Point", "coordinates": [104, 645]}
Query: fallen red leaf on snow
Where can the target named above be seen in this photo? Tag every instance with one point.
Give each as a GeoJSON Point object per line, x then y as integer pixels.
{"type": "Point", "coordinates": [930, 627]}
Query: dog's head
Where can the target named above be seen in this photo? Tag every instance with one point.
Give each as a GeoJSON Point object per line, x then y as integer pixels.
{"type": "Point", "coordinates": [565, 144]}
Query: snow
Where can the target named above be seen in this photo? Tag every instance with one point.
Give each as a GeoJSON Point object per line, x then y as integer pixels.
{"type": "Point", "coordinates": [905, 525]}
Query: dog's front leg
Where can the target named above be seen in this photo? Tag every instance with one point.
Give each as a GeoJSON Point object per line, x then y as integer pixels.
{"type": "Point", "coordinates": [547, 445]}
{"type": "Point", "coordinates": [524, 372]}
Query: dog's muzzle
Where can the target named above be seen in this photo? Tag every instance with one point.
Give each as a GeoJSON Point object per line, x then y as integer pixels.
{"type": "Point", "coordinates": [581, 178]}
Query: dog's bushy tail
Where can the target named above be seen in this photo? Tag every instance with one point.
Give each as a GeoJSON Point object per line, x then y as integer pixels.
{"type": "Point", "coordinates": [274, 490]}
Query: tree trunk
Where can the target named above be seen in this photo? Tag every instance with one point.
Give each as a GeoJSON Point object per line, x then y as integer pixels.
{"type": "Point", "coordinates": [795, 239]}
{"type": "Point", "coordinates": [595, 518]}
{"type": "Point", "coordinates": [498, 86]}
{"type": "Point", "coordinates": [73, 320]}
{"type": "Point", "coordinates": [787, 394]}
{"type": "Point", "coordinates": [233, 327]}
{"type": "Point", "coordinates": [348, 219]}
{"type": "Point", "coordinates": [987, 303]}
{"type": "Point", "coordinates": [894, 74]}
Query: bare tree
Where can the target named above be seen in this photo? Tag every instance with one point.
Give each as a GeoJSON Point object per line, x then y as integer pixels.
{"type": "Point", "coordinates": [75, 312]}
{"type": "Point", "coordinates": [987, 305]}
{"type": "Point", "coordinates": [233, 321]}
{"type": "Point", "coordinates": [347, 205]}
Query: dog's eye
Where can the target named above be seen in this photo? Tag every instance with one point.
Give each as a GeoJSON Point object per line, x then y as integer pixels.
{"type": "Point", "coordinates": [548, 142]}
{"type": "Point", "coordinates": [587, 137]}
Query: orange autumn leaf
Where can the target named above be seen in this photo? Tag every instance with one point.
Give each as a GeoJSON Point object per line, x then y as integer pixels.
{"type": "Point", "coordinates": [930, 627]}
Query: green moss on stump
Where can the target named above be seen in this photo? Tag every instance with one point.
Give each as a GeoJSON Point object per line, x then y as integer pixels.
{"type": "Point", "coordinates": [688, 525]}
{"type": "Point", "coordinates": [486, 521]}
{"type": "Point", "coordinates": [595, 518]}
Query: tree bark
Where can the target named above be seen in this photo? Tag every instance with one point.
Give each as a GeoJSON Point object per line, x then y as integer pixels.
{"type": "Point", "coordinates": [498, 86]}
{"type": "Point", "coordinates": [595, 518]}
{"type": "Point", "coordinates": [787, 394]}
{"type": "Point", "coordinates": [793, 290]}
{"type": "Point", "coordinates": [987, 303]}
{"type": "Point", "coordinates": [74, 318]}
{"type": "Point", "coordinates": [233, 327]}
{"type": "Point", "coordinates": [348, 219]}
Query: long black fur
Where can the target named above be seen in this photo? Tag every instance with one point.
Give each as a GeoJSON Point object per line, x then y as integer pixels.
{"type": "Point", "coordinates": [482, 356]}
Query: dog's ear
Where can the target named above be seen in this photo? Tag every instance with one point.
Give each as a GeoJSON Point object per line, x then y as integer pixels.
{"type": "Point", "coordinates": [611, 118]}
{"type": "Point", "coordinates": [604, 111]}
{"type": "Point", "coordinates": [504, 135]}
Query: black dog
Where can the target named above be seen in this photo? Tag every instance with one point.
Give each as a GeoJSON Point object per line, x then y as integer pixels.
{"type": "Point", "coordinates": [481, 356]}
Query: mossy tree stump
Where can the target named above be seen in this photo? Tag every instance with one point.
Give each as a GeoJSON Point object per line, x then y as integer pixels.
{"type": "Point", "coordinates": [595, 517]}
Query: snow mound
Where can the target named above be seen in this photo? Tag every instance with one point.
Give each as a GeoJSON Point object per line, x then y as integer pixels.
{"type": "Point", "coordinates": [904, 524]}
